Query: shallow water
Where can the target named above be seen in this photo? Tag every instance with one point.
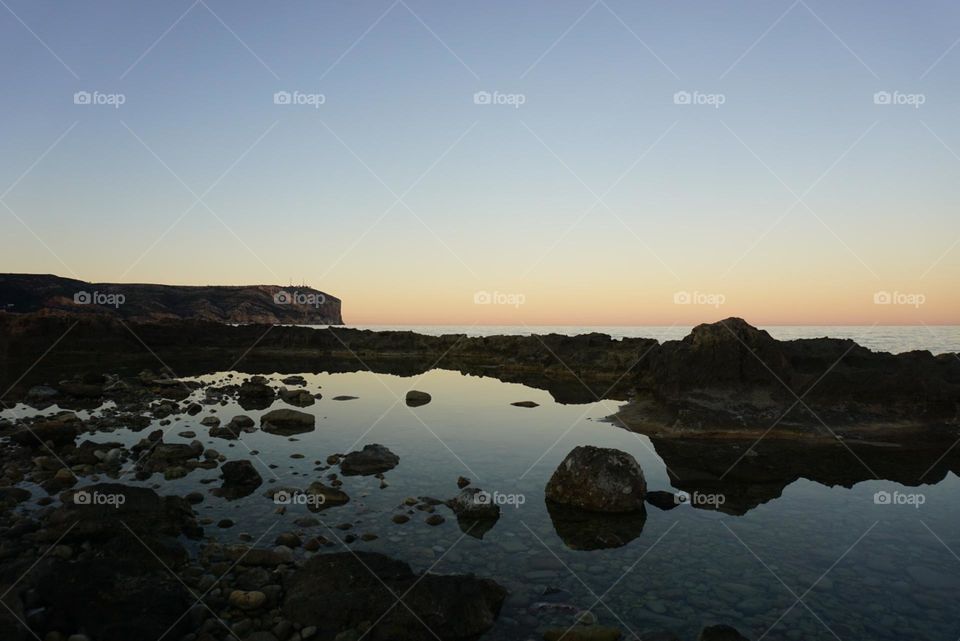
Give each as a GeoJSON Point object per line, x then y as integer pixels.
{"type": "Point", "coordinates": [815, 563]}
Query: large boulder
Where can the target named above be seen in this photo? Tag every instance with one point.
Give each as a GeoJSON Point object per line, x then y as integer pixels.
{"type": "Point", "coordinates": [286, 422]}
{"type": "Point", "coordinates": [346, 590]}
{"type": "Point", "coordinates": [598, 479]}
{"type": "Point", "coordinates": [372, 459]}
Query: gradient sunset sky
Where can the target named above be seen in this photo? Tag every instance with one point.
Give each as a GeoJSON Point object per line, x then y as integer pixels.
{"type": "Point", "coordinates": [790, 162]}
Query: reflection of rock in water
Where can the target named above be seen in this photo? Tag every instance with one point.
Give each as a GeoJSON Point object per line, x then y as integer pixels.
{"type": "Point", "coordinates": [582, 530]}
{"type": "Point", "coordinates": [748, 472]}
{"type": "Point", "coordinates": [475, 527]}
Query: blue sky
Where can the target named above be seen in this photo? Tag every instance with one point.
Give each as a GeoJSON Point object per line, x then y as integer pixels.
{"type": "Point", "coordinates": [500, 198]}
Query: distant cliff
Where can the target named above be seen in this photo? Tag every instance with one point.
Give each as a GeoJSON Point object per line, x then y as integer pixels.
{"type": "Point", "coordinates": [25, 293]}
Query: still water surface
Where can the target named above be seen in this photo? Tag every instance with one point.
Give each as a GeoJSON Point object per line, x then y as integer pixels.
{"type": "Point", "coordinates": [816, 563]}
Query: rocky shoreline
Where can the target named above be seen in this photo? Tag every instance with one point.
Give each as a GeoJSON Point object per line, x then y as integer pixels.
{"type": "Point", "coordinates": [723, 377]}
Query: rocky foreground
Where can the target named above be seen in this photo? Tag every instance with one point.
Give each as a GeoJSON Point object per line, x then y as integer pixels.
{"type": "Point", "coordinates": [88, 553]}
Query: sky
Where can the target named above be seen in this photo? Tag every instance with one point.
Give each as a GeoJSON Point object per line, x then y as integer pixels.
{"type": "Point", "coordinates": [543, 162]}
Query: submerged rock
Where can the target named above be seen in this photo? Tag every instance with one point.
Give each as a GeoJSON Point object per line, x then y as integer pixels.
{"type": "Point", "coordinates": [372, 459]}
{"type": "Point", "coordinates": [287, 422]}
{"type": "Point", "coordinates": [240, 479]}
{"type": "Point", "coordinates": [720, 633]}
{"type": "Point", "coordinates": [598, 480]}
{"type": "Point", "coordinates": [476, 512]}
{"type": "Point", "coordinates": [448, 607]}
{"type": "Point", "coordinates": [322, 497]}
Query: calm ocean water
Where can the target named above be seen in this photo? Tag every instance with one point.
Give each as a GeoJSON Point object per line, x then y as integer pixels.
{"type": "Point", "coordinates": [938, 339]}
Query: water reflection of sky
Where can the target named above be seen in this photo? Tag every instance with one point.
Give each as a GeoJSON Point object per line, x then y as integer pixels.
{"type": "Point", "coordinates": [860, 570]}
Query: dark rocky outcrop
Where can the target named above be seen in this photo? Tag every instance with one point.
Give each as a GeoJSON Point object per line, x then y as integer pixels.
{"type": "Point", "coordinates": [26, 293]}
{"type": "Point", "coordinates": [367, 585]}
